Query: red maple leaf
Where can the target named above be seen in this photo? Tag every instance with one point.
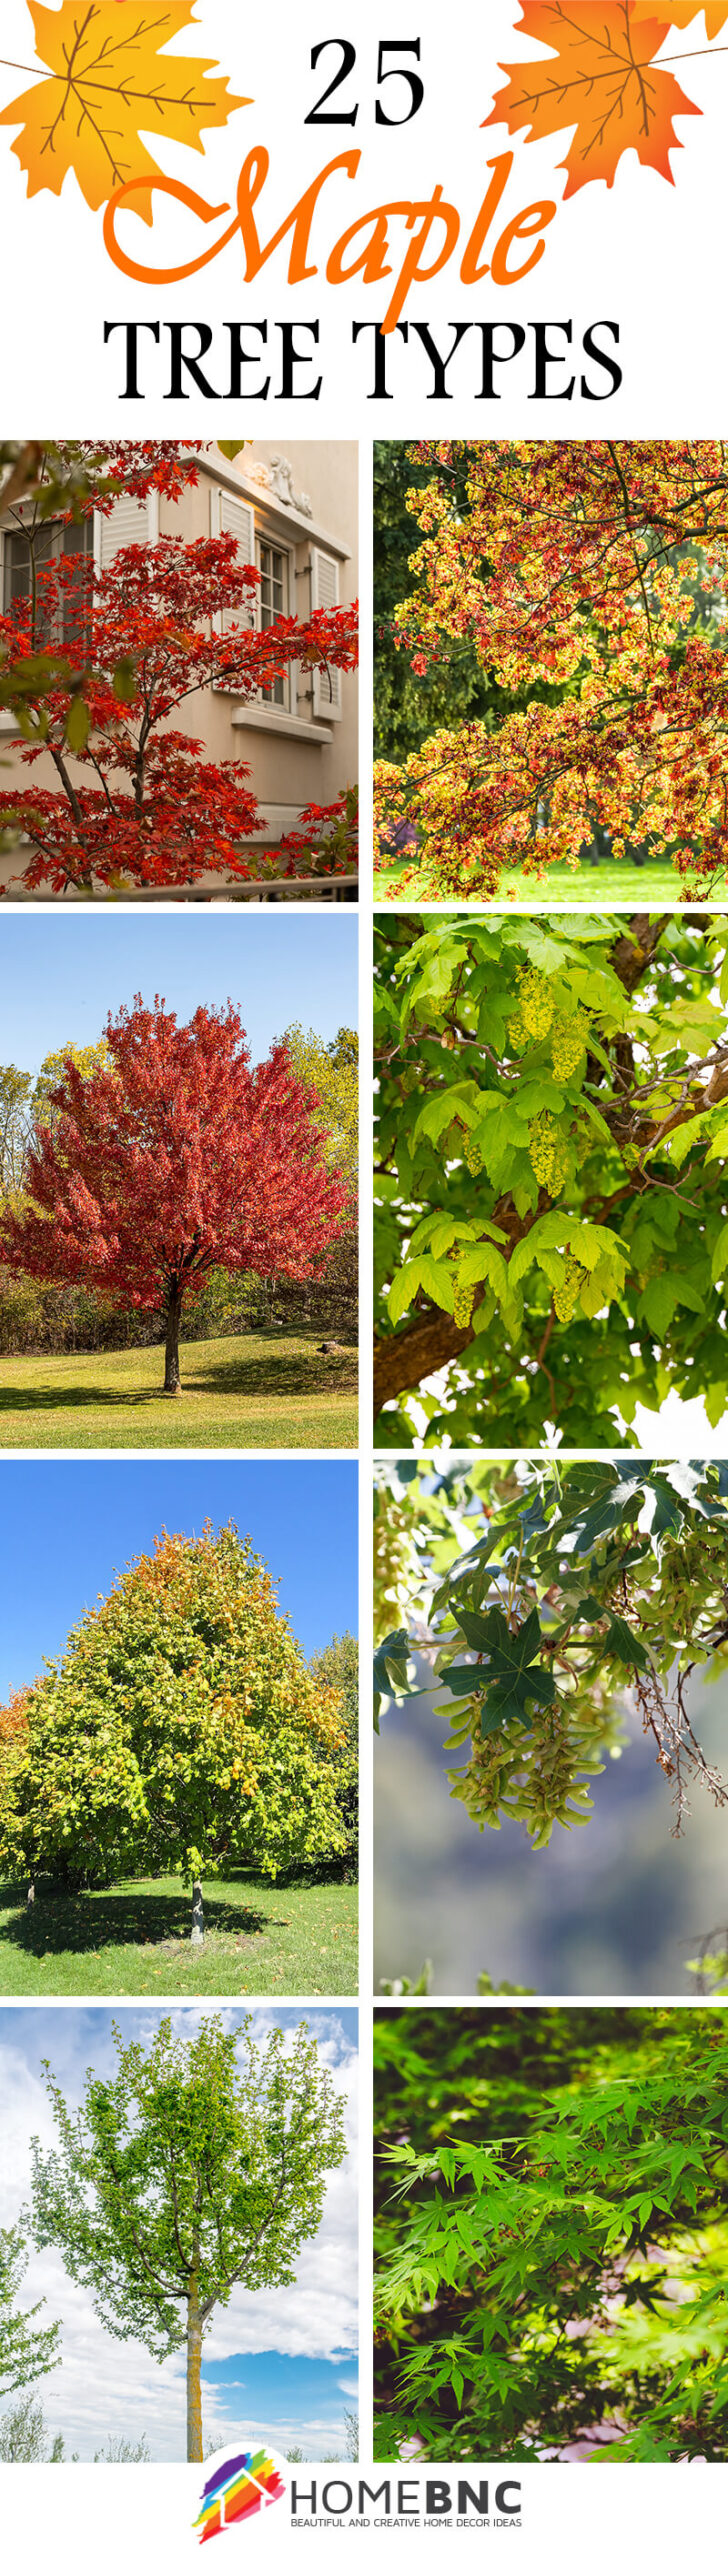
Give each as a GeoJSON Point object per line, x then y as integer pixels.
{"type": "Point", "coordinates": [602, 78]}
{"type": "Point", "coordinates": [682, 12]}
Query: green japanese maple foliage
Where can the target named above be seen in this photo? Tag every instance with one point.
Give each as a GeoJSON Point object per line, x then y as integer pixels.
{"type": "Point", "coordinates": [553, 2235]}
{"type": "Point", "coordinates": [200, 2167]}
{"type": "Point", "coordinates": [551, 1231]}
{"type": "Point", "coordinates": [180, 1731]}
{"type": "Point", "coordinates": [555, 1605]}
{"type": "Point", "coordinates": [26, 2352]}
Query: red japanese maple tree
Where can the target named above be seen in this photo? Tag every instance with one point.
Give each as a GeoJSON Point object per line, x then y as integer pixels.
{"type": "Point", "coordinates": [177, 1158]}
{"type": "Point", "coordinates": [137, 803]}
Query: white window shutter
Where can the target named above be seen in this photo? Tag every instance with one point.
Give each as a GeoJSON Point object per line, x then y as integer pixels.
{"type": "Point", "coordinates": [324, 598]}
{"type": "Point", "coordinates": [130, 521]}
{"type": "Point", "coordinates": [231, 515]}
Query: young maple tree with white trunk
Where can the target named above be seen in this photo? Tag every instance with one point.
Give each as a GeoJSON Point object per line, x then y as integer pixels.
{"type": "Point", "coordinates": [181, 1732]}
{"type": "Point", "coordinates": [198, 2169]}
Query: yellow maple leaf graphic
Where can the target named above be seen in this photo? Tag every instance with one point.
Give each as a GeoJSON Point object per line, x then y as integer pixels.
{"type": "Point", "coordinates": [682, 12]}
{"type": "Point", "coordinates": [108, 83]}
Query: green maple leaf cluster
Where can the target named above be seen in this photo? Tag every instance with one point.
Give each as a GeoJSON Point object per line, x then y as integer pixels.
{"type": "Point", "coordinates": [522, 2307]}
{"type": "Point", "coordinates": [551, 1199]}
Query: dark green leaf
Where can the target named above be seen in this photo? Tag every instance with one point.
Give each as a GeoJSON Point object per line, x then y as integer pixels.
{"type": "Point", "coordinates": [391, 1667]}
{"type": "Point", "coordinates": [621, 1502]}
{"type": "Point", "coordinates": [622, 1645]}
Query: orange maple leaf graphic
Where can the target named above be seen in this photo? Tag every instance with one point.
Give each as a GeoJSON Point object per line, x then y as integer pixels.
{"type": "Point", "coordinates": [107, 78]}
{"type": "Point", "coordinates": [680, 13]}
{"type": "Point", "coordinates": [603, 80]}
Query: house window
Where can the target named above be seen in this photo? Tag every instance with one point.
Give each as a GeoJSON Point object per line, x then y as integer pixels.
{"type": "Point", "coordinates": [49, 544]}
{"type": "Point", "coordinates": [273, 601]}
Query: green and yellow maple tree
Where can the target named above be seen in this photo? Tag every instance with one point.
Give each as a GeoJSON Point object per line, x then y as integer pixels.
{"type": "Point", "coordinates": [180, 1731]}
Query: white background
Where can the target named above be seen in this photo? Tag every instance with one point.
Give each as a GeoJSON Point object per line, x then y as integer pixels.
{"type": "Point", "coordinates": [644, 253]}
{"type": "Point", "coordinates": [566, 2514]}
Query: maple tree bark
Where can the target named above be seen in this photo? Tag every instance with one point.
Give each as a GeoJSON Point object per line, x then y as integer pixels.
{"type": "Point", "coordinates": [402, 1360]}
{"type": "Point", "coordinates": [172, 1380]}
{"type": "Point", "coordinates": [637, 946]}
{"type": "Point", "coordinates": [194, 2373]}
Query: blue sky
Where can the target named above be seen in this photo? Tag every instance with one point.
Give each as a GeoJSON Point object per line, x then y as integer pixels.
{"type": "Point", "coordinates": [67, 1525]}
{"type": "Point", "coordinates": [61, 976]}
{"type": "Point", "coordinates": [281, 2361]}
{"type": "Point", "coordinates": [290, 2400]}
{"type": "Point", "coordinates": [76, 2035]}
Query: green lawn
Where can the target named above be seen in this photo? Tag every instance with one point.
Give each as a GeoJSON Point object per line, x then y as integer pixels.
{"type": "Point", "coordinates": [265, 1390]}
{"type": "Point", "coordinates": [600, 886]}
{"type": "Point", "coordinates": [293, 1939]}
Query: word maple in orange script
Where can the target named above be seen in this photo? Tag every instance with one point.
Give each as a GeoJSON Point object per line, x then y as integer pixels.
{"type": "Point", "coordinates": [367, 248]}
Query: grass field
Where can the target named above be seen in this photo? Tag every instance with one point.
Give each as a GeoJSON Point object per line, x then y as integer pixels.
{"type": "Point", "coordinates": [600, 887]}
{"type": "Point", "coordinates": [249, 1391]}
{"type": "Point", "coordinates": [293, 1939]}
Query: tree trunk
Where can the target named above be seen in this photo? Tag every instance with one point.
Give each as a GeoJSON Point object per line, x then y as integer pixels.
{"type": "Point", "coordinates": [198, 1917]}
{"type": "Point", "coordinates": [402, 1360]}
{"type": "Point", "coordinates": [172, 1384]}
{"type": "Point", "coordinates": [194, 2374]}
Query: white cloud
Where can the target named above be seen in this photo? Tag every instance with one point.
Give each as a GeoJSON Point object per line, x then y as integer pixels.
{"type": "Point", "coordinates": [108, 2385]}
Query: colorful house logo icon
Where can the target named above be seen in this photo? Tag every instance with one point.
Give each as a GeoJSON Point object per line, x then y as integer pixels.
{"type": "Point", "coordinates": [242, 2485]}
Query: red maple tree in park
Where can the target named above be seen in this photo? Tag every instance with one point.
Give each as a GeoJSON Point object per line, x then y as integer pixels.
{"type": "Point", "coordinates": [176, 1159]}
{"type": "Point", "coordinates": [137, 803]}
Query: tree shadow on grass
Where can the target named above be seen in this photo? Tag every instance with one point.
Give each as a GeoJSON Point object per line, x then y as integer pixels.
{"type": "Point", "coordinates": [26, 1399]}
{"type": "Point", "coordinates": [93, 1923]}
{"type": "Point", "coordinates": [281, 1373]}
{"type": "Point", "coordinates": [342, 1871]}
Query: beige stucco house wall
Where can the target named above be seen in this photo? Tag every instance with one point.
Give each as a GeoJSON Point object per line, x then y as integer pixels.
{"type": "Point", "coordinates": [294, 514]}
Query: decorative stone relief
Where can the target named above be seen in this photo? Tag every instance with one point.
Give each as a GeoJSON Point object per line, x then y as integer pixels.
{"type": "Point", "coordinates": [276, 477]}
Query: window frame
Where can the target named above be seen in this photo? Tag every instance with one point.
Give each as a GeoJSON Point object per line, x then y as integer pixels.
{"type": "Point", "coordinates": [264, 539]}
{"type": "Point", "coordinates": [56, 525]}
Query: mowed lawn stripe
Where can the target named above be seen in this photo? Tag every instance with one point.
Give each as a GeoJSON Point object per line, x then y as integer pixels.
{"type": "Point", "coordinates": [244, 1391]}
{"type": "Point", "coordinates": [601, 886]}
